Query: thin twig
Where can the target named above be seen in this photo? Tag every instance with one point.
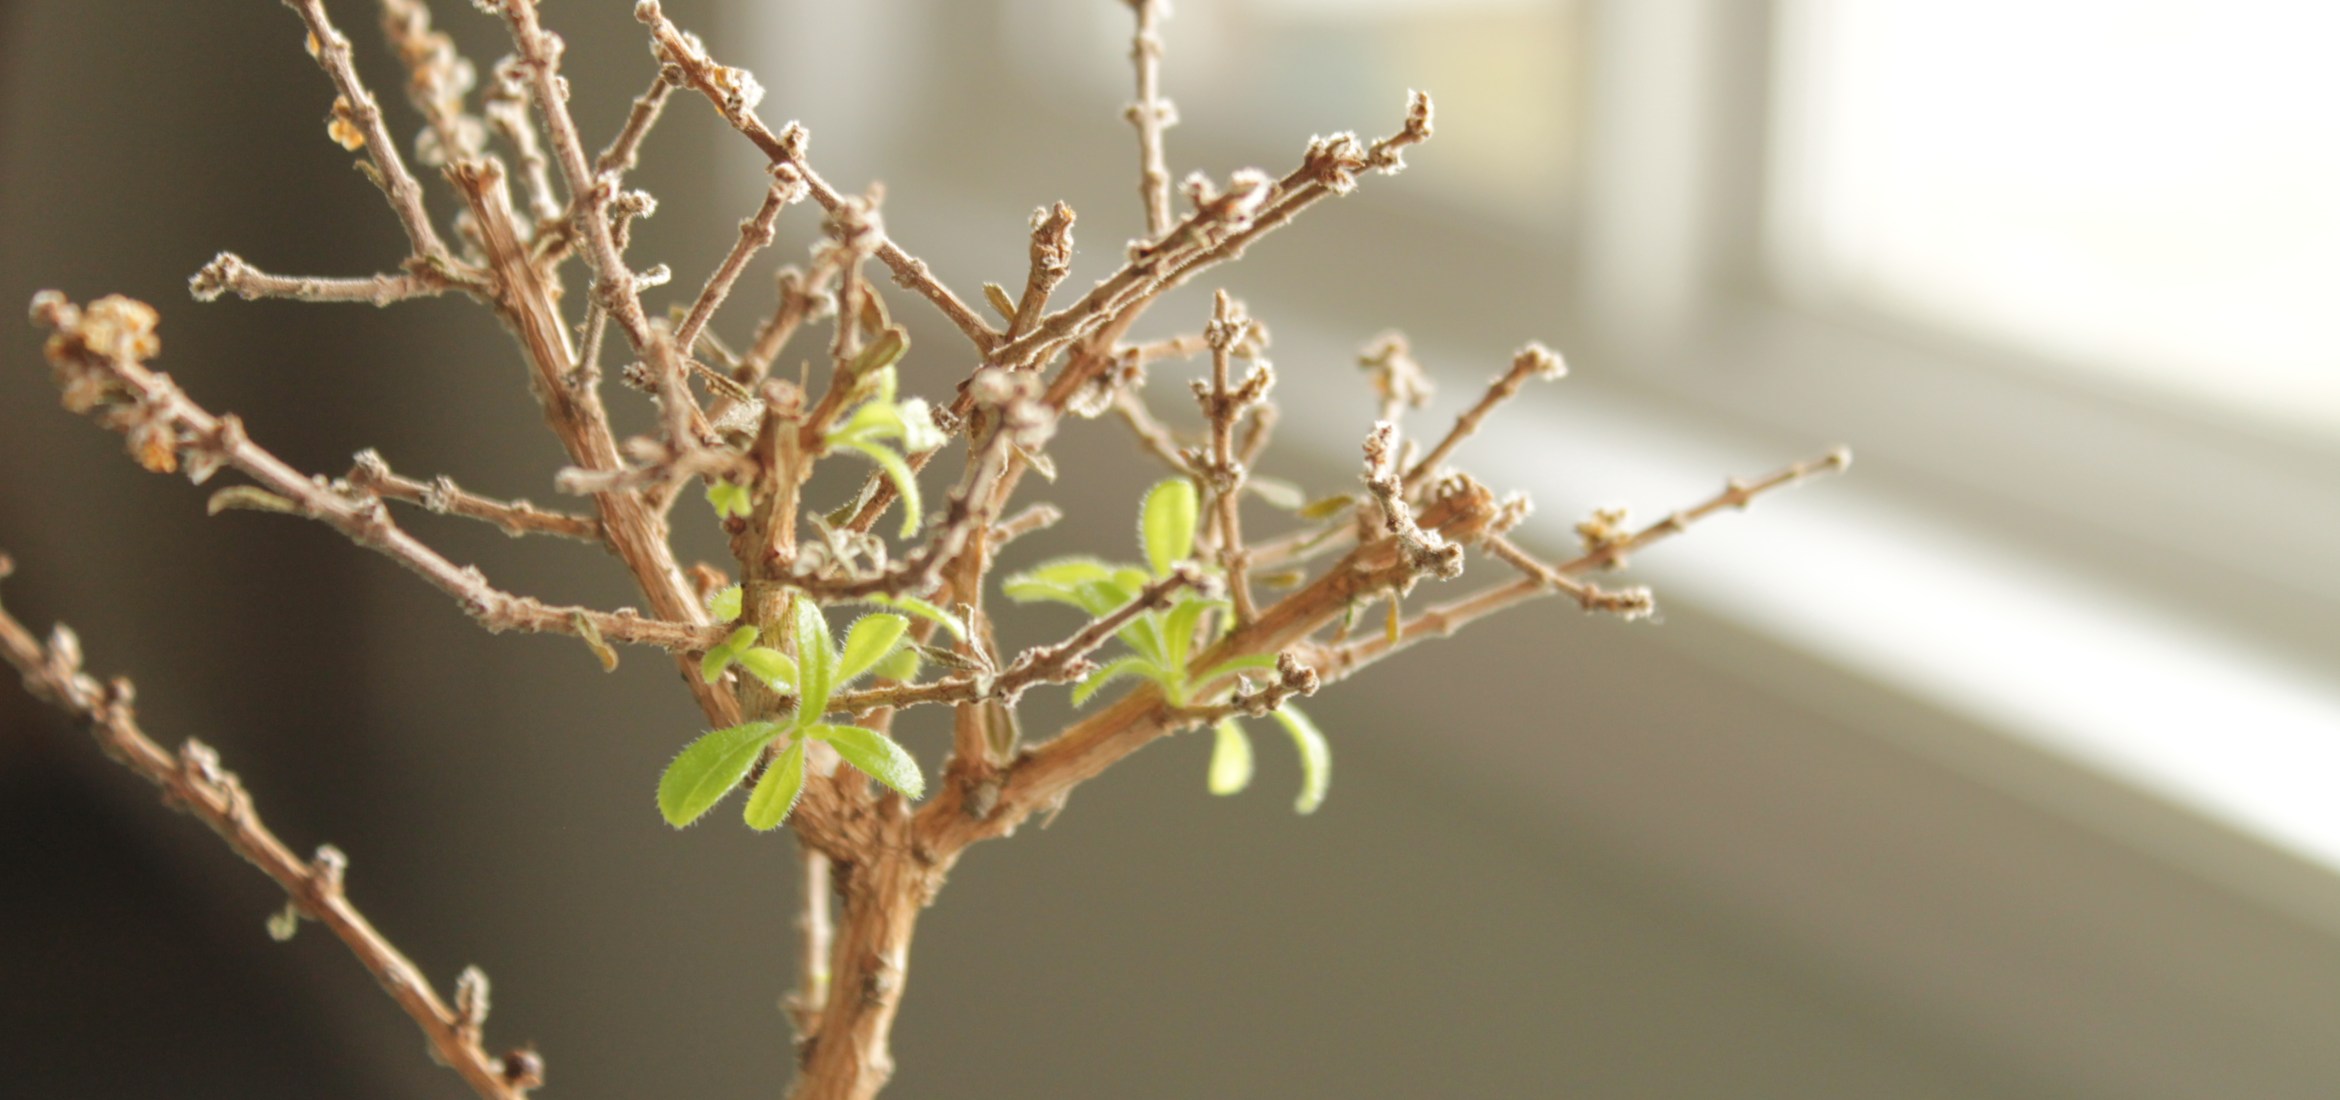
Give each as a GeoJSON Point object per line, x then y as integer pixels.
{"type": "Point", "coordinates": [228, 273]}
{"type": "Point", "coordinates": [193, 781]}
{"type": "Point", "coordinates": [754, 234]}
{"type": "Point", "coordinates": [1609, 553]}
{"type": "Point", "coordinates": [619, 157]}
{"type": "Point", "coordinates": [1532, 361]}
{"type": "Point", "coordinates": [370, 474]}
{"type": "Point", "coordinates": [1151, 114]}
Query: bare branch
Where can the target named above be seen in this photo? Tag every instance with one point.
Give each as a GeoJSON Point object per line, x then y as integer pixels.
{"type": "Point", "coordinates": [754, 234]}
{"type": "Point", "coordinates": [227, 273]}
{"type": "Point", "coordinates": [370, 474]}
{"type": "Point", "coordinates": [618, 158]}
{"type": "Point", "coordinates": [193, 781]}
{"type": "Point", "coordinates": [1151, 114]}
{"type": "Point", "coordinates": [1531, 361]}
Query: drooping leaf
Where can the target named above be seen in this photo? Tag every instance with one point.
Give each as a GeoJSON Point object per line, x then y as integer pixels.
{"type": "Point", "coordinates": [1315, 757]}
{"type": "Point", "coordinates": [816, 661]}
{"type": "Point", "coordinates": [719, 658]}
{"type": "Point", "coordinates": [1230, 759]}
{"type": "Point", "coordinates": [882, 352]}
{"type": "Point", "coordinates": [707, 770]}
{"type": "Point", "coordinates": [1095, 682]}
{"type": "Point", "coordinates": [776, 792]}
{"type": "Point", "coordinates": [1166, 524]}
{"type": "Point", "coordinates": [868, 642]}
{"type": "Point", "coordinates": [769, 665]}
{"type": "Point", "coordinates": [904, 478]}
{"type": "Point", "coordinates": [1327, 507]}
{"type": "Point", "coordinates": [876, 754]}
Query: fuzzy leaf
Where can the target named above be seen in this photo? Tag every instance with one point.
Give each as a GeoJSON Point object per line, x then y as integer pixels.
{"type": "Point", "coordinates": [816, 662]}
{"type": "Point", "coordinates": [1058, 580]}
{"type": "Point", "coordinates": [769, 665]}
{"type": "Point", "coordinates": [1166, 524]}
{"type": "Point", "coordinates": [725, 603]}
{"type": "Point", "coordinates": [707, 770]}
{"type": "Point", "coordinates": [1094, 682]}
{"type": "Point", "coordinates": [1315, 757]}
{"type": "Point", "coordinates": [872, 637]}
{"type": "Point", "coordinates": [1178, 629]}
{"type": "Point", "coordinates": [1230, 759]}
{"type": "Point", "coordinates": [719, 658]}
{"type": "Point", "coordinates": [876, 754]}
{"type": "Point", "coordinates": [900, 666]}
{"type": "Point", "coordinates": [776, 792]}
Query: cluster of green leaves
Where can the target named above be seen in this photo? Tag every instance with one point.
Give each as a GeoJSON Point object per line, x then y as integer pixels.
{"type": "Point", "coordinates": [714, 764]}
{"type": "Point", "coordinates": [1163, 642]}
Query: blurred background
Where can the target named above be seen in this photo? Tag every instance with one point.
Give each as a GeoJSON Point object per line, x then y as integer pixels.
{"type": "Point", "coordinates": [2001, 766]}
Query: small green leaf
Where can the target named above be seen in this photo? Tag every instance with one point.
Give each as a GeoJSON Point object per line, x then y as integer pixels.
{"type": "Point", "coordinates": [1315, 757]}
{"type": "Point", "coordinates": [900, 666]}
{"type": "Point", "coordinates": [719, 658]}
{"type": "Point", "coordinates": [1167, 524]}
{"type": "Point", "coordinates": [1060, 580]}
{"type": "Point", "coordinates": [872, 637]}
{"type": "Point", "coordinates": [724, 604]}
{"type": "Point", "coordinates": [1230, 759]}
{"type": "Point", "coordinates": [769, 665]}
{"type": "Point", "coordinates": [776, 792]}
{"type": "Point", "coordinates": [876, 754]}
{"type": "Point", "coordinates": [707, 770]}
{"type": "Point", "coordinates": [904, 478]}
{"type": "Point", "coordinates": [1094, 682]}
{"type": "Point", "coordinates": [924, 610]}
{"type": "Point", "coordinates": [816, 661]}
{"type": "Point", "coordinates": [1178, 629]}
{"type": "Point", "coordinates": [729, 499]}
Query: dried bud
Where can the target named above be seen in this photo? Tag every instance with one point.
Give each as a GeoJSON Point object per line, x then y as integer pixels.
{"type": "Point", "coordinates": [523, 1069]}
{"type": "Point", "coordinates": [471, 1001]}
{"type": "Point", "coordinates": [342, 125]}
{"type": "Point", "coordinates": [1538, 360]}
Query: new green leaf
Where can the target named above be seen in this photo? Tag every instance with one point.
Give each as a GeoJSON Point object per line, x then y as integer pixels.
{"type": "Point", "coordinates": [776, 792]}
{"type": "Point", "coordinates": [709, 768]}
{"type": "Point", "coordinates": [876, 754]}
{"type": "Point", "coordinates": [769, 665]}
{"type": "Point", "coordinates": [816, 661]}
{"type": "Point", "coordinates": [730, 500]}
{"type": "Point", "coordinates": [1230, 759]}
{"type": "Point", "coordinates": [872, 637]}
{"type": "Point", "coordinates": [1167, 524]}
{"type": "Point", "coordinates": [719, 658]}
{"type": "Point", "coordinates": [1315, 757]}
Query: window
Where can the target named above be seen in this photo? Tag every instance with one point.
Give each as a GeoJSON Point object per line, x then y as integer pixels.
{"type": "Point", "coordinates": [2149, 190]}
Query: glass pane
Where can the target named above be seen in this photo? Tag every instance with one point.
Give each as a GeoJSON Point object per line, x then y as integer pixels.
{"type": "Point", "coordinates": [2144, 187]}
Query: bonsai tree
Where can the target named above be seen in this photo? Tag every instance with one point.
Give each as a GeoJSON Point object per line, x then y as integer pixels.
{"type": "Point", "coordinates": [1236, 596]}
